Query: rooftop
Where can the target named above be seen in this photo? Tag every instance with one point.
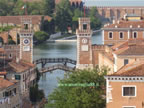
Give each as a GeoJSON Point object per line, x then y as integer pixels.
{"type": "Point", "coordinates": [20, 66]}
{"type": "Point", "coordinates": [134, 69]}
{"type": "Point", "coordinates": [125, 24]}
{"type": "Point", "coordinates": [5, 83]}
{"type": "Point", "coordinates": [130, 47]}
{"type": "Point", "coordinates": [17, 19]}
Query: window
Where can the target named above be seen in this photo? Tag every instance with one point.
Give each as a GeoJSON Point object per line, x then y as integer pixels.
{"type": "Point", "coordinates": [84, 26]}
{"type": "Point", "coordinates": [135, 35]}
{"type": "Point", "coordinates": [129, 91]}
{"type": "Point", "coordinates": [121, 35]}
{"type": "Point", "coordinates": [15, 90]}
{"type": "Point", "coordinates": [17, 77]}
{"type": "Point", "coordinates": [125, 61]}
{"type": "Point", "coordinates": [110, 35]}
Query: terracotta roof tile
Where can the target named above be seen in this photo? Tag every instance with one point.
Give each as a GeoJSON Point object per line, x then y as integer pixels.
{"type": "Point", "coordinates": [21, 66]}
{"type": "Point", "coordinates": [5, 83]}
{"type": "Point", "coordinates": [134, 69]}
{"type": "Point", "coordinates": [130, 47]}
{"type": "Point", "coordinates": [17, 19]}
{"type": "Point", "coordinates": [3, 73]}
{"type": "Point", "coordinates": [126, 24]}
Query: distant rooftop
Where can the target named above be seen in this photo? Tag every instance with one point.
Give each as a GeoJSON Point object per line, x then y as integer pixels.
{"type": "Point", "coordinates": [114, 2]}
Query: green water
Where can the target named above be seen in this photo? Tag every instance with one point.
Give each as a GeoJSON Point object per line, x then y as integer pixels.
{"type": "Point", "coordinates": [56, 50]}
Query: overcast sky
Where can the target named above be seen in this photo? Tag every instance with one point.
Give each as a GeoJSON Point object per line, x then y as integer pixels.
{"type": "Point", "coordinates": [114, 2]}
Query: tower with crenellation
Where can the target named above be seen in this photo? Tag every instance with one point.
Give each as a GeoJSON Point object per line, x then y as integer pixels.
{"type": "Point", "coordinates": [84, 50]}
{"type": "Point", "coordinates": [26, 40]}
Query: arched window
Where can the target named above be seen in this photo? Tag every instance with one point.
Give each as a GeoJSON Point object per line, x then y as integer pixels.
{"type": "Point", "coordinates": [121, 35]}
{"type": "Point", "coordinates": [134, 34]}
{"type": "Point", "coordinates": [110, 35]}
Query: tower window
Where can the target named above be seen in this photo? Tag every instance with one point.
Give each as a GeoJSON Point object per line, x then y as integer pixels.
{"type": "Point", "coordinates": [121, 35]}
{"type": "Point", "coordinates": [110, 35]}
{"type": "Point", "coordinates": [25, 26]}
{"type": "Point", "coordinates": [84, 26]}
{"type": "Point", "coordinates": [135, 35]}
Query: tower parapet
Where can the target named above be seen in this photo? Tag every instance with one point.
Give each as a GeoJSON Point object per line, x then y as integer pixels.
{"type": "Point", "coordinates": [84, 51]}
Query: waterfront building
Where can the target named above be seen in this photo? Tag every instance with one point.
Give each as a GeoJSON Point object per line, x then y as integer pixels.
{"type": "Point", "coordinates": [130, 27]}
{"type": "Point", "coordinates": [88, 55]}
{"type": "Point", "coordinates": [115, 57]}
{"type": "Point", "coordinates": [17, 61]}
{"type": "Point", "coordinates": [9, 94]}
{"type": "Point", "coordinates": [124, 88]}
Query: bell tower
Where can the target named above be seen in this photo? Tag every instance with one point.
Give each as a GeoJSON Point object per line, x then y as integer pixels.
{"type": "Point", "coordinates": [84, 51]}
{"type": "Point", "coordinates": [26, 40]}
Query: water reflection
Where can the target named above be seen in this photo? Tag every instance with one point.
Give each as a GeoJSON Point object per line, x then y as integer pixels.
{"type": "Point", "coordinates": [54, 50]}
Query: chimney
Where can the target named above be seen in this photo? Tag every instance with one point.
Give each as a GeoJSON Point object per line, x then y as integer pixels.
{"type": "Point", "coordinates": [113, 21]}
{"type": "Point", "coordinates": [138, 26]}
{"type": "Point", "coordinates": [118, 22]}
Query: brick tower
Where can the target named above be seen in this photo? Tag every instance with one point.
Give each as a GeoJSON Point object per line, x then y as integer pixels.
{"type": "Point", "coordinates": [26, 40]}
{"type": "Point", "coordinates": [84, 51]}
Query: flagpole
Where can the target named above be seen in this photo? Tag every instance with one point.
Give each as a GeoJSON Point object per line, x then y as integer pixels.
{"type": "Point", "coordinates": [26, 10]}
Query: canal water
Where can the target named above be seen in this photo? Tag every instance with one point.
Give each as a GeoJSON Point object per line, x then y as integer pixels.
{"type": "Point", "coordinates": [49, 81]}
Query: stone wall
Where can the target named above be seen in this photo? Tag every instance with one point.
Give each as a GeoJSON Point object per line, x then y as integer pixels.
{"type": "Point", "coordinates": [116, 13]}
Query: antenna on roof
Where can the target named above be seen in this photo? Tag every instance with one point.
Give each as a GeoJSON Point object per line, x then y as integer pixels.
{"type": "Point", "coordinates": [83, 7]}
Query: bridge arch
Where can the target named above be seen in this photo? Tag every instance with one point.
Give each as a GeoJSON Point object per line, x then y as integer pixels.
{"type": "Point", "coordinates": [55, 67]}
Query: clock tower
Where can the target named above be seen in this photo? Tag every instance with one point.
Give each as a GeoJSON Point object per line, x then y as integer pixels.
{"type": "Point", "coordinates": [84, 51]}
{"type": "Point", "coordinates": [26, 40]}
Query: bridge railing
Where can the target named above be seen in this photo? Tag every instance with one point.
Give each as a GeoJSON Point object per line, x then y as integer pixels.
{"type": "Point", "coordinates": [55, 60]}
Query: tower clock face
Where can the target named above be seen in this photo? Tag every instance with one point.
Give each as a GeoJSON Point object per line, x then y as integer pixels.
{"type": "Point", "coordinates": [26, 41]}
{"type": "Point", "coordinates": [84, 41]}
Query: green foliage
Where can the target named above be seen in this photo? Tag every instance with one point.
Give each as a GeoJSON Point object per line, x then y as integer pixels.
{"type": "Point", "coordinates": [63, 16]}
{"type": "Point", "coordinates": [48, 26]}
{"type": "Point", "coordinates": [76, 15]}
{"type": "Point", "coordinates": [78, 96]}
{"type": "Point", "coordinates": [49, 7]}
{"type": "Point", "coordinates": [36, 95]}
{"type": "Point", "coordinates": [13, 7]}
{"type": "Point", "coordinates": [41, 36]}
{"type": "Point", "coordinates": [95, 22]}
{"type": "Point", "coordinates": [6, 28]}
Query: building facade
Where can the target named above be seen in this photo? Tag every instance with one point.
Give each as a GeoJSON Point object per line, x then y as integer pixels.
{"type": "Point", "coordinates": [114, 57]}
{"type": "Point", "coordinates": [9, 94]}
{"type": "Point", "coordinates": [131, 27]}
{"type": "Point", "coordinates": [124, 89]}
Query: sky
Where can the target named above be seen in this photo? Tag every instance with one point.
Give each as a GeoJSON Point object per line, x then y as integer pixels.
{"type": "Point", "coordinates": [114, 2]}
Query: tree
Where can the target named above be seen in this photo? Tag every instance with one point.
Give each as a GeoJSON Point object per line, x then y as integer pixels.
{"type": "Point", "coordinates": [76, 15]}
{"type": "Point", "coordinates": [41, 36]}
{"type": "Point", "coordinates": [71, 93]}
{"type": "Point", "coordinates": [63, 16]}
{"type": "Point", "coordinates": [36, 95]}
{"type": "Point", "coordinates": [49, 7]}
{"type": "Point", "coordinates": [95, 22]}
